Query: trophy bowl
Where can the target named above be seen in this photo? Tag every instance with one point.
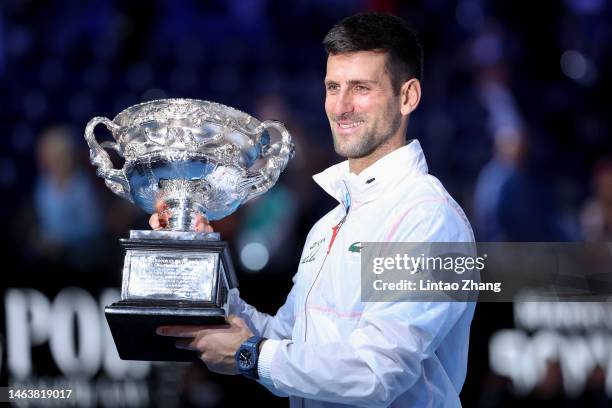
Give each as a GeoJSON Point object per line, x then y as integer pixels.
{"type": "Point", "coordinates": [196, 157]}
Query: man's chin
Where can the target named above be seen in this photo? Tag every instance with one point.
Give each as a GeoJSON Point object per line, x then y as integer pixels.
{"type": "Point", "coordinates": [352, 152]}
{"type": "Point", "coordinates": [344, 148]}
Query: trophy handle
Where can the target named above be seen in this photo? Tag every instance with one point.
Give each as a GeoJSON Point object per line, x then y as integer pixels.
{"type": "Point", "coordinates": [277, 156]}
{"type": "Point", "coordinates": [113, 178]}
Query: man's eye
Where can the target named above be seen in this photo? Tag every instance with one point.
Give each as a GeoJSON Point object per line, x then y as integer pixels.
{"type": "Point", "coordinates": [360, 88]}
{"type": "Point", "coordinates": [332, 87]}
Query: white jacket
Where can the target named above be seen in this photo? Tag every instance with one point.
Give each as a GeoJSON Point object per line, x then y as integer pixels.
{"type": "Point", "coordinates": [327, 347]}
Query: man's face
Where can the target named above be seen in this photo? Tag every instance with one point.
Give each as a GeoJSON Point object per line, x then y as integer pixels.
{"type": "Point", "coordinates": [361, 105]}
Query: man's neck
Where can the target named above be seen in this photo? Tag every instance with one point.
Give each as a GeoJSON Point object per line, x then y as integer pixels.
{"type": "Point", "coordinates": [357, 165]}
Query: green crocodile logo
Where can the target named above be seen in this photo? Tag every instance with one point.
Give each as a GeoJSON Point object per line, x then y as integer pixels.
{"type": "Point", "coordinates": [355, 247]}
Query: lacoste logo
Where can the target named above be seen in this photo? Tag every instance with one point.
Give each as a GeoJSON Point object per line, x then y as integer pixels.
{"type": "Point", "coordinates": [313, 251]}
{"type": "Point", "coordinates": [355, 247]}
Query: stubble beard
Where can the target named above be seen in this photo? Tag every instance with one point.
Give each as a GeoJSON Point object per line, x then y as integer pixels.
{"type": "Point", "coordinates": [372, 138]}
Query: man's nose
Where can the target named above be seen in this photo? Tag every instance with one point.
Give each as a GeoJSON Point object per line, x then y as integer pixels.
{"type": "Point", "coordinates": [344, 103]}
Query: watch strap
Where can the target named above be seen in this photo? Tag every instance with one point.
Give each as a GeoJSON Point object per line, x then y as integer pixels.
{"type": "Point", "coordinates": [251, 344]}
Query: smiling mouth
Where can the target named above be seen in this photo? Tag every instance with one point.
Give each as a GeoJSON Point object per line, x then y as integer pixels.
{"type": "Point", "coordinates": [350, 125]}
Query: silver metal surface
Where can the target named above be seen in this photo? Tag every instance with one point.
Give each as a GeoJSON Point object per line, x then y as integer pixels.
{"type": "Point", "coordinates": [195, 156]}
{"type": "Point", "coordinates": [175, 235]}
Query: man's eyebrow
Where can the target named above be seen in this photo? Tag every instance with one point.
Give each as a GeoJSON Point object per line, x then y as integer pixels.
{"type": "Point", "coordinates": [362, 81]}
{"type": "Point", "coordinates": [354, 81]}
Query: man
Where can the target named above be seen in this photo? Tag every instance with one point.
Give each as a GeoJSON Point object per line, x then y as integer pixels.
{"type": "Point", "coordinates": [324, 344]}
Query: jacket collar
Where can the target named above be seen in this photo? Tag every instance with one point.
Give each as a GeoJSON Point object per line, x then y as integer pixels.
{"type": "Point", "coordinates": [355, 190]}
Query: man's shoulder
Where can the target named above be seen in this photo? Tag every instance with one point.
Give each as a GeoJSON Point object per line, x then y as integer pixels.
{"type": "Point", "coordinates": [424, 187]}
{"type": "Point", "coordinates": [425, 193]}
{"type": "Point", "coordinates": [427, 203]}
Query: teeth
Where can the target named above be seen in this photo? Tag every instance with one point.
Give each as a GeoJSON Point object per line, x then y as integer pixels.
{"type": "Point", "coordinates": [350, 125]}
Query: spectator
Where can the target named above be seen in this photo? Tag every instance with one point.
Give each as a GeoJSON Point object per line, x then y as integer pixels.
{"type": "Point", "coordinates": [65, 202]}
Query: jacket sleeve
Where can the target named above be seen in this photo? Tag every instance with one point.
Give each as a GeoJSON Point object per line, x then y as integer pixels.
{"type": "Point", "coordinates": [384, 356]}
{"type": "Point", "coordinates": [262, 324]}
{"type": "Point", "coordinates": [279, 326]}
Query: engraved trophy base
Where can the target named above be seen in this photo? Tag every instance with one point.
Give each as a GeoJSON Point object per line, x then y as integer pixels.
{"type": "Point", "coordinates": [134, 319]}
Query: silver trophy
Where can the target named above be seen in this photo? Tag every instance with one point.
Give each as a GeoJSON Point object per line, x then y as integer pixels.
{"type": "Point", "coordinates": [197, 157]}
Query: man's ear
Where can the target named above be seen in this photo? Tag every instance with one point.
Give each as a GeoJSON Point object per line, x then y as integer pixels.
{"type": "Point", "coordinates": [410, 94]}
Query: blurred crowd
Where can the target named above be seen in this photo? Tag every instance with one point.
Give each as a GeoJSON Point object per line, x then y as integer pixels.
{"type": "Point", "coordinates": [514, 116]}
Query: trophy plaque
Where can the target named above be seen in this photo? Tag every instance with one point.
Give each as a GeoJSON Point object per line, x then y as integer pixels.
{"type": "Point", "coordinates": [197, 157]}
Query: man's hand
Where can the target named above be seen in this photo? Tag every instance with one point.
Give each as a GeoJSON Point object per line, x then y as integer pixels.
{"type": "Point", "coordinates": [159, 219]}
{"type": "Point", "coordinates": [216, 345]}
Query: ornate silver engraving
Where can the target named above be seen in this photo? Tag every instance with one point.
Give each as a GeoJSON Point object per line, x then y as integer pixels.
{"type": "Point", "coordinates": [172, 145]}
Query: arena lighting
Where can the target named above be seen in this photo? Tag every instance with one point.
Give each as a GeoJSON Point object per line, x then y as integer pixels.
{"type": "Point", "coordinates": [574, 64]}
{"type": "Point", "coordinates": [254, 256]}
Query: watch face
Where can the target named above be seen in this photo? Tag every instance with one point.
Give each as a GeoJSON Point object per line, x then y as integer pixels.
{"type": "Point", "coordinates": [246, 359]}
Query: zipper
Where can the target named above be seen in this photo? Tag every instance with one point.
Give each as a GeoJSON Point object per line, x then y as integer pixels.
{"type": "Point", "coordinates": [335, 230]}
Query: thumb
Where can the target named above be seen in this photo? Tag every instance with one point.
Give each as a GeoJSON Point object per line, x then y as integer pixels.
{"type": "Point", "coordinates": [202, 224]}
{"type": "Point", "coordinates": [237, 321]}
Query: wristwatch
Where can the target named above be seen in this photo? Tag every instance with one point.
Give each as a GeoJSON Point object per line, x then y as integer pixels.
{"type": "Point", "coordinates": [247, 356]}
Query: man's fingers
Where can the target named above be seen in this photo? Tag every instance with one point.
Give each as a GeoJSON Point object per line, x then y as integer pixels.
{"type": "Point", "coordinates": [154, 221]}
{"type": "Point", "coordinates": [202, 224]}
{"type": "Point", "coordinates": [187, 331]}
{"type": "Point", "coordinates": [237, 321]}
{"type": "Point", "coordinates": [160, 206]}
{"type": "Point", "coordinates": [179, 331]}
{"type": "Point", "coordinates": [186, 344]}
{"type": "Point", "coordinates": [158, 221]}
{"type": "Point", "coordinates": [160, 218]}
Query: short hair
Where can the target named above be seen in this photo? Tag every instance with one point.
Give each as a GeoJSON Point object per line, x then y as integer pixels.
{"type": "Point", "coordinates": [379, 32]}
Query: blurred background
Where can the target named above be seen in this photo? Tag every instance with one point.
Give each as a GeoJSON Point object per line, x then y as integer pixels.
{"type": "Point", "coordinates": [513, 120]}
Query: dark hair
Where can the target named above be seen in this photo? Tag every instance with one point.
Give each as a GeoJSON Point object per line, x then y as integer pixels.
{"type": "Point", "coordinates": [379, 32]}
